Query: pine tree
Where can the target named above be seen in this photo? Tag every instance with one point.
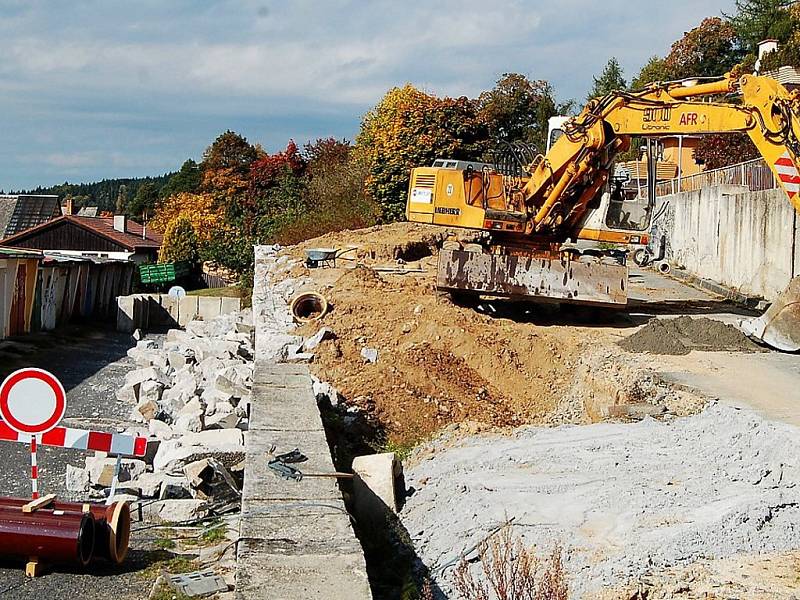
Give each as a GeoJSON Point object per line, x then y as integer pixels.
{"type": "Point", "coordinates": [758, 20]}
{"type": "Point", "coordinates": [610, 80]}
{"type": "Point", "coordinates": [122, 199]}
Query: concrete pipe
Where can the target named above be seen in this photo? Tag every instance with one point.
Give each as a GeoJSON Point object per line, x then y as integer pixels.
{"type": "Point", "coordinates": [50, 535]}
{"type": "Point", "coordinates": [112, 529]}
{"type": "Point", "coordinates": [663, 267]}
{"type": "Point", "coordinates": [309, 306]}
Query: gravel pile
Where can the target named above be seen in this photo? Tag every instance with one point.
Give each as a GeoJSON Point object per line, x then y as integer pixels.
{"type": "Point", "coordinates": [625, 500]}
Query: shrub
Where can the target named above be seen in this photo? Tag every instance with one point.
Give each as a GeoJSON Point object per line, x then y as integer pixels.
{"type": "Point", "coordinates": [512, 572]}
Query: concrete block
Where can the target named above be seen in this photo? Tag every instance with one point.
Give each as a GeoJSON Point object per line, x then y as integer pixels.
{"type": "Point", "coordinates": [312, 528]}
{"type": "Point", "coordinates": [175, 511]}
{"type": "Point", "coordinates": [160, 430]}
{"type": "Point", "coordinates": [187, 311]}
{"type": "Point", "coordinates": [262, 574]}
{"type": "Point", "coordinates": [281, 375]}
{"type": "Point", "coordinates": [230, 305]}
{"type": "Point", "coordinates": [208, 307]}
{"type": "Point", "coordinates": [169, 309]}
{"type": "Point", "coordinates": [261, 483]}
{"type": "Point", "coordinates": [125, 315]}
{"type": "Point", "coordinates": [285, 409]}
{"type": "Point", "coordinates": [375, 488]}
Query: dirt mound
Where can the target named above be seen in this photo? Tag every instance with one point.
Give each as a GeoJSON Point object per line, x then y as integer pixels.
{"type": "Point", "coordinates": [438, 363]}
{"type": "Point", "coordinates": [683, 334]}
{"type": "Point", "coordinates": [405, 241]}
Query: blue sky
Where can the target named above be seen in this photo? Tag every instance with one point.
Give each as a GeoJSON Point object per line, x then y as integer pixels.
{"type": "Point", "coordinates": [99, 89]}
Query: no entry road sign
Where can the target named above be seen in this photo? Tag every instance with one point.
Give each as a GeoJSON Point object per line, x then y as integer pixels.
{"type": "Point", "coordinates": [32, 401]}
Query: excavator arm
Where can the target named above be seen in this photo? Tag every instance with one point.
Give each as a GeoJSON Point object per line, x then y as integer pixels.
{"type": "Point", "coordinates": [563, 182]}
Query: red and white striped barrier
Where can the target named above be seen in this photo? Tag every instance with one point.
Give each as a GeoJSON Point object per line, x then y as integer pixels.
{"type": "Point", "coordinates": [81, 439]}
{"type": "Point", "coordinates": [34, 470]}
{"type": "Point", "coordinates": [787, 173]}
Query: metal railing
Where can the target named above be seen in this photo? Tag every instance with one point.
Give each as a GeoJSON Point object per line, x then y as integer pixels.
{"type": "Point", "coordinates": [755, 174]}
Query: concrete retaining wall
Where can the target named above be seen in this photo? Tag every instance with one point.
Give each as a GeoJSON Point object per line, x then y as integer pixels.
{"type": "Point", "coordinates": [747, 241]}
{"type": "Point", "coordinates": [158, 311]}
{"type": "Point", "coordinates": [297, 540]}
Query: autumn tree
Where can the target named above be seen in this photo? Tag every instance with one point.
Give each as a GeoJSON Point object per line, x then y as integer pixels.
{"type": "Point", "coordinates": [180, 242]}
{"type": "Point", "coordinates": [334, 197]}
{"type": "Point", "coordinates": [188, 179]}
{"type": "Point", "coordinates": [226, 165]}
{"type": "Point", "coordinates": [717, 151]}
{"type": "Point", "coordinates": [266, 170]}
{"type": "Point", "coordinates": [610, 80]}
{"type": "Point", "coordinates": [122, 199]}
{"type": "Point", "coordinates": [708, 50]}
{"type": "Point", "coordinates": [202, 211]}
{"type": "Point", "coordinates": [518, 109]}
{"type": "Point", "coordinates": [409, 128]}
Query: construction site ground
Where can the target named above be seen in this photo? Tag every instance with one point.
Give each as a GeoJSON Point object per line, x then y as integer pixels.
{"type": "Point", "coordinates": [449, 378]}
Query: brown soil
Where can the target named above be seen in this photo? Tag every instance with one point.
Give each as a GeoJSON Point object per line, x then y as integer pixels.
{"type": "Point", "coordinates": [386, 243]}
{"type": "Point", "coordinates": [438, 363]}
{"type": "Point", "coordinates": [683, 334]}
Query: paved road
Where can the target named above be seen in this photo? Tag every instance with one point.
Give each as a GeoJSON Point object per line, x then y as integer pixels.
{"type": "Point", "coordinates": [91, 363]}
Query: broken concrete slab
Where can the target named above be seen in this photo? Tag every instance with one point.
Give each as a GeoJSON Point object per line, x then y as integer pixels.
{"type": "Point", "coordinates": [101, 469]}
{"type": "Point", "coordinates": [175, 511]}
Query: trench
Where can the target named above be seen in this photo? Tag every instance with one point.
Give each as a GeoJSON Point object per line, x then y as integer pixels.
{"type": "Point", "coordinates": [393, 567]}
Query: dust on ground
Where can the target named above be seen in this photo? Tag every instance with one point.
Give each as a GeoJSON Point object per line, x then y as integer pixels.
{"type": "Point", "coordinates": [683, 334]}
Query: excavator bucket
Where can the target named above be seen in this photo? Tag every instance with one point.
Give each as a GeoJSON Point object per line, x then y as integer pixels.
{"type": "Point", "coordinates": [779, 326]}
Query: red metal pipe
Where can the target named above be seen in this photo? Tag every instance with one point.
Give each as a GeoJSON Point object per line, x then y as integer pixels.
{"type": "Point", "coordinates": [112, 524]}
{"type": "Point", "coordinates": [52, 536]}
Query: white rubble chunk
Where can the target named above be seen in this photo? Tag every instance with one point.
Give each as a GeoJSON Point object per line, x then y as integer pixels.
{"type": "Point", "coordinates": [77, 479]}
{"type": "Point", "coordinates": [315, 340]}
{"type": "Point", "coordinates": [176, 511]}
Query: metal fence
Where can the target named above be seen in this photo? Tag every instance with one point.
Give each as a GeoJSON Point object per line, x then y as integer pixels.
{"type": "Point", "coordinates": [755, 174]}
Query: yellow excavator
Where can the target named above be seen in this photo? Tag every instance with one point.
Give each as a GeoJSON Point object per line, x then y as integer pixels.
{"type": "Point", "coordinates": [539, 211]}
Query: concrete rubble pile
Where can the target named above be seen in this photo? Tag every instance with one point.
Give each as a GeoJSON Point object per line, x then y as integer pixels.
{"type": "Point", "coordinates": [192, 395]}
{"type": "Point", "coordinates": [274, 320]}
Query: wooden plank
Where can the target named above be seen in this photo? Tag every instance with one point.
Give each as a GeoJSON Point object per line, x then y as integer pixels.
{"type": "Point", "coordinates": [35, 505]}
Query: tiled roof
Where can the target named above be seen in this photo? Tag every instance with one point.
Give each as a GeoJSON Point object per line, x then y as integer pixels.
{"type": "Point", "coordinates": [131, 239]}
{"type": "Point", "coordinates": [29, 211]}
{"type": "Point", "coordinates": [7, 205]}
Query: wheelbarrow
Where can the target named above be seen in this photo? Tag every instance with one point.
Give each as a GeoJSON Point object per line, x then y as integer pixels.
{"type": "Point", "coordinates": [321, 257]}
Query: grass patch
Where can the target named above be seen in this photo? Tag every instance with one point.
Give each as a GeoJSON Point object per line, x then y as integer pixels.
{"type": "Point", "coordinates": [244, 293]}
{"type": "Point", "coordinates": [172, 565]}
{"type": "Point", "coordinates": [401, 450]}
{"type": "Point", "coordinates": [165, 592]}
{"type": "Point", "coordinates": [232, 291]}
{"type": "Point", "coordinates": [214, 536]}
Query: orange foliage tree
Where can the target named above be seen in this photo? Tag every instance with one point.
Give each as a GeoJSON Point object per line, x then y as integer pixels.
{"type": "Point", "coordinates": [409, 128]}
{"type": "Point", "coordinates": [202, 211]}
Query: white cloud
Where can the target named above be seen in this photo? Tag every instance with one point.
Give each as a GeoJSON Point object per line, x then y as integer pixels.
{"type": "Point", "coordinates": [112, 69]}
